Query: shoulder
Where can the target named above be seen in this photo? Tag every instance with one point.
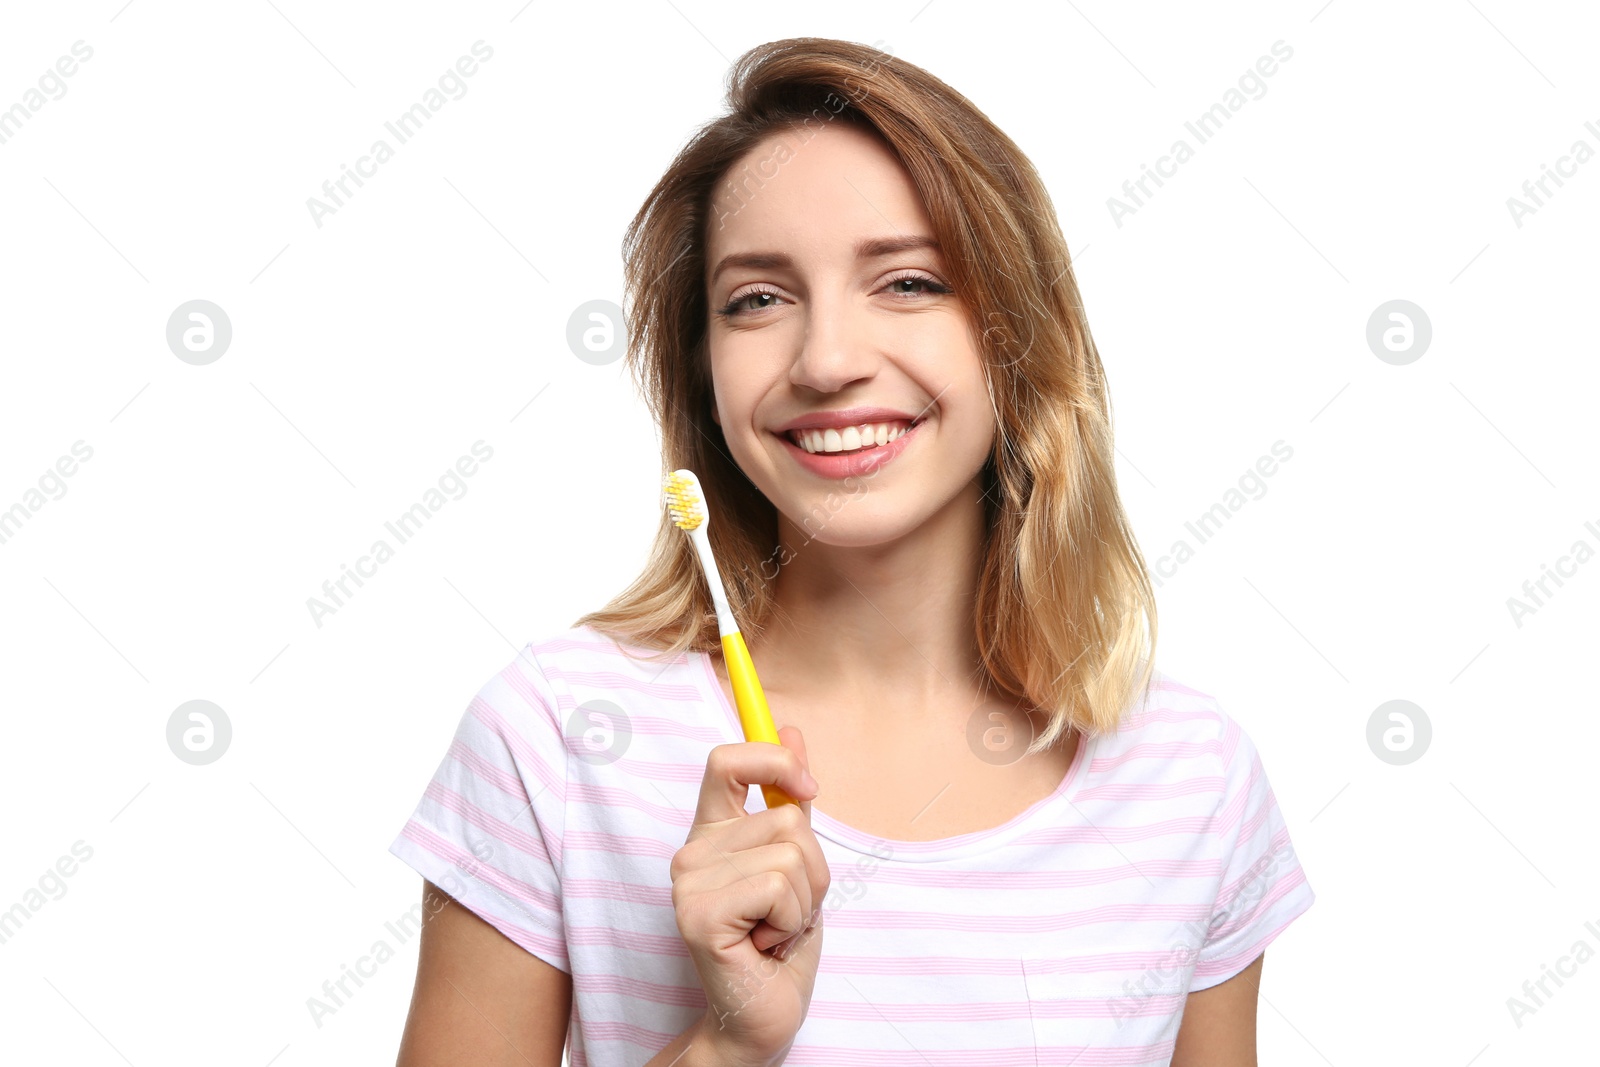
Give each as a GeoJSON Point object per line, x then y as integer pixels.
{"type": "Point", "coordinates": [579, 651]}
{"type": "Point", "coordinates": [608, 699]}
{"type": "Point", "coordinates": [536, 687]}
{"type": "Point", "coordinates": [1175, 747]}
{"type": "Point", "coordinates": [1174, 714]}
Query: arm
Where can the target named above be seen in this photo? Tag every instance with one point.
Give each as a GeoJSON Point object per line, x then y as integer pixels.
{"type": "Point", "coordinates": [481, 998]}
{"type": "Point", "coordinates": [1219, 1023]}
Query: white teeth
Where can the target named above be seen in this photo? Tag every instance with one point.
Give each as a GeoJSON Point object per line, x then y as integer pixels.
{"type": "Point", "coordinates": [849, 438]}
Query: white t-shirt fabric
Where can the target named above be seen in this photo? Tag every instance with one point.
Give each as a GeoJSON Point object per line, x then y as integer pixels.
{"type": "Point", "coordinates": [1069, 935]}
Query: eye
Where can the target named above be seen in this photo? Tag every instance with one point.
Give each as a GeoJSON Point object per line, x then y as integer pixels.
{"type": "Point", "coordinates": [932, 286]}
{"type": "Point", "coordinates": [733, 309]}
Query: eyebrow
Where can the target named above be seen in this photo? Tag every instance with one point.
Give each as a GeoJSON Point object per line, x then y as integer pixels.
{"type": "Point", "coordinates": [866, 248]}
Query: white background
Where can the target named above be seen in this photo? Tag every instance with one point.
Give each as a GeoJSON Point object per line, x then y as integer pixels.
{"type": "Point", "coordinates": [431, 312]}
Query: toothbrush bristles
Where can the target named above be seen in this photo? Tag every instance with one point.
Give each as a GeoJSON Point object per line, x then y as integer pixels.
{"type": "Point", "coordinates": [683, 499]}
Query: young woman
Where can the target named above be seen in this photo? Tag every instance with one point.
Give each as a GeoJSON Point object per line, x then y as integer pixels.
{"type": "Point", "coordinates": [855, 318]}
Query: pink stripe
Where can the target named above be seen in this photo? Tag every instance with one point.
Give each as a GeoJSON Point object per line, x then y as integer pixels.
{"type": "Point", "coordinates": [526, 755]}
{"type": "Point", "coordinates": [618, 845]}
{"type": "Point", "coordinates": [503, 832]}
{"type": "Point", "coordinates": [1200, 783]}
{"type": "Point", "coordinates": [662, 772]}
{"type": "Point", "coordinates": [1234, 810]}
{"type": "Point", "coordinates": [609, 937]}
{"type": "Point", "coordinates": [614, 797]}
{"type": "Point", "coordinates": [976, 921]}
{"type": "Point", "coordinates": [1257, 868]}
{"type": "Point", "coordinates": [611, 889]}
{"type": "Point", "coordinates": [1138, 720]}
{"type": "Point", "coordinates": [659, 896]}
{"type": "Point", "coordinates": [546, 903]}
{"type": "Point", "coordinates": [509, 891]}
{"type": "Point", "coordinates": [622, 985]}
{"type": "Point", "coordinates": [1102, 833]}
{"type": "Point", "coordinates": [1013, 880]}
{"type": "Point", "coordinates": [1157, 1055]}
{"type": "Point", "coordinates": [1162, 750]}
{"type": "Point", "coordinates": [1095, 1006]}
{"type": "Point", "coordinates": [1237, 962]}
{"type": "Point", "coordinates": [1241, 918]}
{"type": "Point", "coordinates": [1084, 963]}
{"type": "Point", "coordinates": [508, 782]}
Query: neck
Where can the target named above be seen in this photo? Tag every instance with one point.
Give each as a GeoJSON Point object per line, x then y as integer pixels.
{"type": "Point", "coordinates": [891, 625]}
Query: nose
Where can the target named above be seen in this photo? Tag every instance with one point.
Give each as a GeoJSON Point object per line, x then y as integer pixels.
{"type": "Point", "coordinates": [838, 347]}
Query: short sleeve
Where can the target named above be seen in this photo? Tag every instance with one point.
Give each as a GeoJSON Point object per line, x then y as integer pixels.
{"type": "Point", "coordinates": [1263, 886]}
{"type": "Point", "coordinates": [489, 826]}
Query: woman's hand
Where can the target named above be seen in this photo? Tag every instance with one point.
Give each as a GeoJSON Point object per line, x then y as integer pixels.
{"type": "Point", "coordinates": [743, 884]}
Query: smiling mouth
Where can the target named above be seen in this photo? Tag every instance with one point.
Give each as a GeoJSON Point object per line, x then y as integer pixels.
{"type": "Point", "coordinates": [850, 440]}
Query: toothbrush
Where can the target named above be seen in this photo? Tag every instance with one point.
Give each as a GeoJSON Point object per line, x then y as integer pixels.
{"type": "Point", "coordinates": [687, 505]}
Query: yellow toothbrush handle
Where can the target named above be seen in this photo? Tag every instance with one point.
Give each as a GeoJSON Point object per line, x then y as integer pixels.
{"type": "Point", "coordinates": [752, 703]}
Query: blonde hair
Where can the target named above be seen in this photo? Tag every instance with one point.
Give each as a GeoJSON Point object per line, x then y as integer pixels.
{"type": "Point", "coordinates": [1063, 594]}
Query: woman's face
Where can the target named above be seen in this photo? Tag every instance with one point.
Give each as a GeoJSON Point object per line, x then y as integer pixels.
{"type": "Point", "coordinates": [807, 324]}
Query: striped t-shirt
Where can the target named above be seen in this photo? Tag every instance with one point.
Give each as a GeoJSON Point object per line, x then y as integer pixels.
{"type": "Point", "coordinates": [1069, 935]}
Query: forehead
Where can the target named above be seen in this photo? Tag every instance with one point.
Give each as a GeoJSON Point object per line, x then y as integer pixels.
{"type": "Point", "coordinates": [814, 192]}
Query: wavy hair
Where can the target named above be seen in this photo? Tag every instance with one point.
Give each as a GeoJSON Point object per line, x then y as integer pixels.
{"type": "Point", "coordinates": [1064, 612]}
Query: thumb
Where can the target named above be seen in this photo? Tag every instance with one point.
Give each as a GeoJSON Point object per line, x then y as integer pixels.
{"type": "Point", "coordinates": [791, 738]}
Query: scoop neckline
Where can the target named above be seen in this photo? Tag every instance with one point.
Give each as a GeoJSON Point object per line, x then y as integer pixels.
{"type": "Point", "coordinates": [940, 848]}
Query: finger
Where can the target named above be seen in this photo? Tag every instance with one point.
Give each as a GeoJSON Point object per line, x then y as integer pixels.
{"type": "Point", "coordinates": [816, 863]}
{"type": "Point", "coordinates": [715, 845]}
{"type": "Point", "coordinates": [764, 906]}
{"type": "Point", "coordinates": [787, 822]}
{"type": "Point", "coordinates": [791, 738]}
{"type": "Point", "coordinates": [732, 872]}
{"type": "Point", "coordinates": [804, 947]}
{"type": "Point", "coordinates": [731, 770]}
{"type": "Point", "coordinates": [751, 866]}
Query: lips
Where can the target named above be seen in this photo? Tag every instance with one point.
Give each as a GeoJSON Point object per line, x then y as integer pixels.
{"type": "Point", "coordinates": [849, 439]}
{"type": "Point", "coordinates": [860, 462]}
{"type": "Point", "coordinates": [839, 419]}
